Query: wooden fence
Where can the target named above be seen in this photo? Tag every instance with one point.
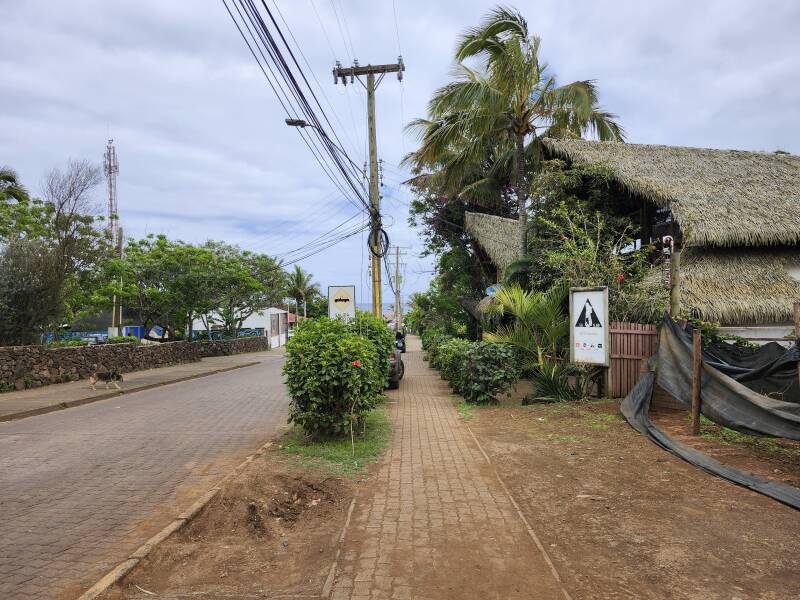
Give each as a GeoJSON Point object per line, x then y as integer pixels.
{"type": "Point", "coordinates": [631, 343]}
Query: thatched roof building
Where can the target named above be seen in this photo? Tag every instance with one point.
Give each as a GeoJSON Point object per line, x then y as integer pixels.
{"type": "Point", "coordinates": [719, 197]}
{"type": "Point", "coordinates": [496, 235]}
{"type": "Point", "coordinates": [737, 214]}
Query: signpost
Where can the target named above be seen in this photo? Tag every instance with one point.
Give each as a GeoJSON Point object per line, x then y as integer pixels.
{"type": "Point", "coordinates": [342, 301]}
{"type": "Point", "coordinates": [589, 331]}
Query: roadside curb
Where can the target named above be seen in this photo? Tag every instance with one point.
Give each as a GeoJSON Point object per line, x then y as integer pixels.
{"type": "Point", "coordinates": [80, 402]}
{"type": "Point", "coordinates": [116, 574]}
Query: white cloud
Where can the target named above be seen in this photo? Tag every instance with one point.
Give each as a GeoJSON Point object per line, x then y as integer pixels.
{"type": "Point", "coordinates": [204, 152]}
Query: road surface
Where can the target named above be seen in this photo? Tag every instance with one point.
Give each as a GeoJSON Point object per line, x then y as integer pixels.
{"type": "Point", "coordinates": [80, 489]}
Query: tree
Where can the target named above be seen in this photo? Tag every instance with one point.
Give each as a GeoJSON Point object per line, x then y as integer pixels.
{"type": "Point", "coordinates": [299, 286]}
{"type": "Point", "coordinates": [30, 293]}
{"type": "Point", "coordinates": [505, 106]}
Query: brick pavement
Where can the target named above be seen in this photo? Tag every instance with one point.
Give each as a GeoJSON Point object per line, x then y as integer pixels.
{"type": "Point", "coordinates": [434, 522]}
{"type": "Point", "coordinates": [52, 396]}
{"type": "Point", "coordinates": [80, 489]}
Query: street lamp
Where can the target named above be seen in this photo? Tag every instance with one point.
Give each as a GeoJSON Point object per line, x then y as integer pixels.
{"type": "Point", "coordinates": [303, 124]}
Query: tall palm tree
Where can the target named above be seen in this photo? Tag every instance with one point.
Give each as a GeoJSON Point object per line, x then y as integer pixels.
{"type": "Point", "coordinates": [506, 104]}
{"type": "Point", "coordinates": [10, 187]}
{"type": "Point", "coordinates": [300, 287]}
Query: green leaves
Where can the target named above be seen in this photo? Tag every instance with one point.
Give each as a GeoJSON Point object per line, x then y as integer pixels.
{"type": "Point", "coordinates": [336, 372]}
{"type": "Point", "coordinates": [479, 371]}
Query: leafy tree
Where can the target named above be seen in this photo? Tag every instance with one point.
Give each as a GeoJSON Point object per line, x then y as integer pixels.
{"type": "Point", "coordinates": [317, 306]}
{"type": "Point", "coordinates": [504, 106]}
{"type": "Point", "coordinates": [30, 294]}
{"type": "Point", "coordinates": [299, 286]}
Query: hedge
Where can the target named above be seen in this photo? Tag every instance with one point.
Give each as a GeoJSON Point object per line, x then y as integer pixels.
{"type": "Point", "coordinates": [479, 371]}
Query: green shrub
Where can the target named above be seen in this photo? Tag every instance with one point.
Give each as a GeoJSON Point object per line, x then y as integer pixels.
{"type": "Point", "coordinates": [451, 357]}
{"type": "Point", "coordinates": [376, 331]}
{"type": "Point", "coordinates": [334, 377]}
{"type": "Point", "coordinates": [123, 339]}
{"type": "Point", "coordinates": [488, 370]}
{"type": "Point", "coordinates": [67, 343]}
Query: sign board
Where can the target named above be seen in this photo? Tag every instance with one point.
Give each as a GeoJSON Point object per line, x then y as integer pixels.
{"type": "Point", "coordinates": [342, 301]}
{"type": "Point", "coordinates": [589, 329]}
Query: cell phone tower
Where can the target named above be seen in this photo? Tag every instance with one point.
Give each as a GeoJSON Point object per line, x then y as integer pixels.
{"type": "Point", "coordinates": [111, 168]}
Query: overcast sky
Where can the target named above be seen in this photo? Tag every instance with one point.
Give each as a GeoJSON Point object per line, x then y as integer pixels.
{"type": "Point", "coordinates": [203, 149]}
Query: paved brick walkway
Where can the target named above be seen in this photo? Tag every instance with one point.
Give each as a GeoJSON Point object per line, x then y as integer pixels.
{"type": "Point", "coordinates": [80, 489]}
{"type": "Point", "coordinates": [435, 523]}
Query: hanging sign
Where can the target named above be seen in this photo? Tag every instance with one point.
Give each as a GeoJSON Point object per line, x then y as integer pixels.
{"type": "Point", "coordinates": [589, 332]}
{"type": "Point", "coordinates": [342, 301]}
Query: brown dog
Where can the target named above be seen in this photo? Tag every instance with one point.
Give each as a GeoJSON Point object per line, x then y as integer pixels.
{"type": "Point", "coordinates": [112, 376]}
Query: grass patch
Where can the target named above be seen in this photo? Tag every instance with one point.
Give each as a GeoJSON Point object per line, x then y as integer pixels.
{"type": "Point", "coordinates": [336, 455]}
{"type": "Point", "coordinates": [603, 420]}
{"type": "Point", "coordinates": [465, 410]}
{"type": "Point", "coordinates": [730, 437]}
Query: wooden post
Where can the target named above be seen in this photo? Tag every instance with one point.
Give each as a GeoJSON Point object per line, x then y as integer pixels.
{"type": "Point", "coordinates": [697, 363]}
{"type": "Point", "coordinates": [675, 284]}
{"type": "Point", "coordinates": [797, 329]}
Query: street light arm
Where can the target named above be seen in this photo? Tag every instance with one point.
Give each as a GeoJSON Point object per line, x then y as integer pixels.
{"type": "Point", "coordinates": [303, 124]}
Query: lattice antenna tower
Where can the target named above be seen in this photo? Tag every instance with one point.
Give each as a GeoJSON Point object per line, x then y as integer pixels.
{"type": "Point", "coordinates": [111, 168]}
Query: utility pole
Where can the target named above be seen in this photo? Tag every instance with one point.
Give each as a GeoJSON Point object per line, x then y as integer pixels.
{"type": "Point", "coordinates": [353, 73]}
{"type": "Point", "coordinates": [397, 280]}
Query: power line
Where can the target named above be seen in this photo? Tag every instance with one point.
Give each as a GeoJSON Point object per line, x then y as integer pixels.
{"type": "Point", "coordinates": [339, 171]}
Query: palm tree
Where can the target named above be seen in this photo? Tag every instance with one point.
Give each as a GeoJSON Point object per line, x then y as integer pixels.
{"type": "Point", "coordinates": [300, 287]}
{"type": "Point", "coordinates": [539, 328]}
{"type": "Point", "coordinates": [505, 106]}
{"type": "Point", "coordinates": [10, 187]}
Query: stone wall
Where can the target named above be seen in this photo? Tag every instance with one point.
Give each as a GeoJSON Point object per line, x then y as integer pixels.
{"type": "Point", "coordinates": [34, 366]}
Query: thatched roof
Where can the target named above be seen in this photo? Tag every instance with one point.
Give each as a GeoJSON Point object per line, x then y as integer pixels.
{"type": "Point", "coordinates": [740, 286]}
{"type": "Point", "coordinates": [719, 197]}
{"type": "Point", "coordinates": [498, 236]}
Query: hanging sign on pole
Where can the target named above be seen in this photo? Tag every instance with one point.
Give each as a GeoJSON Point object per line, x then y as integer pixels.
{"type": "Point", "coordinates": [590, 331]}
{"type": "Point", "coordinates": [342, 301]}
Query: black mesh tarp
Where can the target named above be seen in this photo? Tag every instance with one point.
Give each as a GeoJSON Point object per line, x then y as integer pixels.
{"type": "Point", "coordinates": [729, 383]}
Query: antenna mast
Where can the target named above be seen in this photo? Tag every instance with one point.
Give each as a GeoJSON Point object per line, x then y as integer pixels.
{"type": "Point", "coordinates": [111, 168]}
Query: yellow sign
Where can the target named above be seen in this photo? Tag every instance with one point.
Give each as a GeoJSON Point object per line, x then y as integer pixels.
{"type": "Point", "coordinates": [342, 301]}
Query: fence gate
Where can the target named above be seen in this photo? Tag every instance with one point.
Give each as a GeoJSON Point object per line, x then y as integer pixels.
{"type": "Point", "coordinates": [631, 343]}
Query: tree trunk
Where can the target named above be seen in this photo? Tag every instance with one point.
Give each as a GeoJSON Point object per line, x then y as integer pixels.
{"type": "Point", "coordinates": [522, 196]}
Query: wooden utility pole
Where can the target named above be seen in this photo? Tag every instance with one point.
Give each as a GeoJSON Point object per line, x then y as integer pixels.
{"type": "Point", "coordinates": [675, 284]}
{"type": "Point", "coordinates": [697, 373]}
{"type": "Point", "coordinates": [353, 73]}
{"type": "Point", "coordinates": [397, 289]}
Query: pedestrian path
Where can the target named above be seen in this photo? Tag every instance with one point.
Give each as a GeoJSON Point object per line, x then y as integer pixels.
{"type": "Point", "coordinates": [434, 522]}
{"type": "Point", "coordinates": [23, 403]}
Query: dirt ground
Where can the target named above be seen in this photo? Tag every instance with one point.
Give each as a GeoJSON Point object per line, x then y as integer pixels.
{"type": "Point", "coordinates": [270, 533]}
{"type": "Point", "coordinates": [620, 517]}
{"type": "Point", "coordinates": [624, 519]}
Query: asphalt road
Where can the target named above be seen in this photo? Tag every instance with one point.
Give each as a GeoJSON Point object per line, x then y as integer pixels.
{"type": "Point", "coordinates": [80, 489]}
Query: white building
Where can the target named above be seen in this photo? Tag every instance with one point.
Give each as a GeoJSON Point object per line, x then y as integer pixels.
{"type": "Point", "coordinates": [272, 323]}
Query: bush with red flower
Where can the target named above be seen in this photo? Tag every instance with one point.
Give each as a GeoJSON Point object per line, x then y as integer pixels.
{"type": "Point", "coordinates": [335, 375]}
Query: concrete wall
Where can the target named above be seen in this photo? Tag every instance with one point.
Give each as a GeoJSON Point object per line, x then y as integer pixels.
{"type": "Point", "coordinates": [34, 366]}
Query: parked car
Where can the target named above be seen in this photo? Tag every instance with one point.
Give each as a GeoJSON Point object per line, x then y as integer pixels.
{"type": "Point", "coordinates": [396, 369]}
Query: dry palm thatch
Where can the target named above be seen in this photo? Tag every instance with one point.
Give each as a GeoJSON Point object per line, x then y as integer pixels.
{"type": "Point", "coordinates": [742, 286]}
{"type": "Point", "coordinates": [496, 235]}
{"type": "Point", "coordinates": [719, 197]}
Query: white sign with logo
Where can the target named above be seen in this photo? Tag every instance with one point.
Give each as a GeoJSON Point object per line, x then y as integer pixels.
{"type": "Point", "coordinates": [589, 332]}
{"type": "Point", "coordinates": [342, 301]}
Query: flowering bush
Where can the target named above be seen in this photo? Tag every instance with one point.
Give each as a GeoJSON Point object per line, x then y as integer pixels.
{"type": "Point", "coordinates": [375, 330]}
{"type": "Point", "coordinates": [334, 376]}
